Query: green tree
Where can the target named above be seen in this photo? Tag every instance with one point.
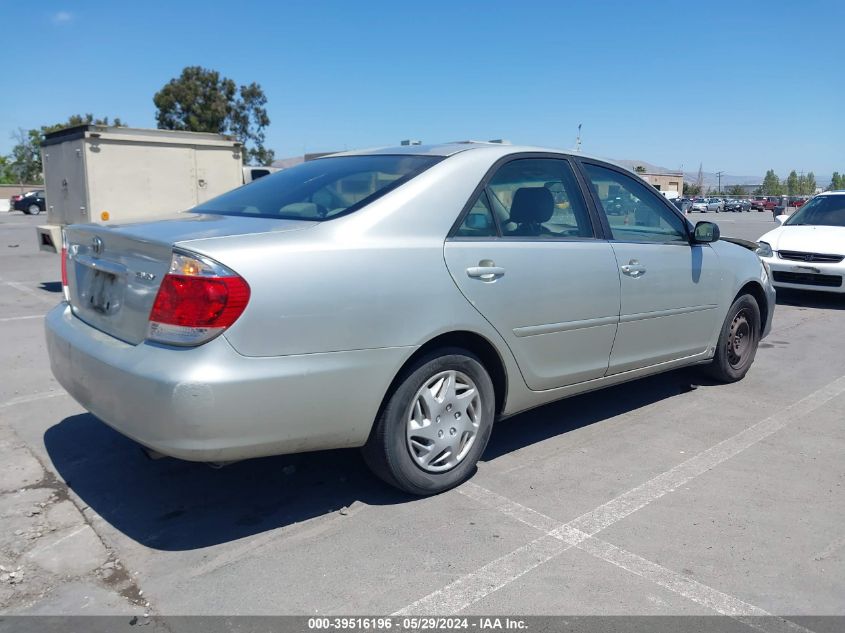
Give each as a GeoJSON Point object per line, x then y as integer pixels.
{"type": "Point", "coordinates": [640, 169]}
{"type": "Point", "coordinates": [792, 183]}
{"type": "Point", "coordinates": [6, 175]}
{"type": "Point", "coordinates": [810, 184]}
{"type": "Point", "coordinates": [691, 189]}
{"type": "Point", "coordinates": [735, 190]}
{"type": "Point", "coordinates": [771, 184]}
{"type": "Point", "coordinates": [202, 100]}
{"type": "Point", "coordinates": [25, 159]}
{"type": "Point", "coordinates": [836, 182]}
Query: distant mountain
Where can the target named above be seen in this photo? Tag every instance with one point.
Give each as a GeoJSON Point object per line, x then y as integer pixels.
{"type": "Point", "coordinates": [649, 167]}
{"type": "Point", "coordinates": [710, 178]}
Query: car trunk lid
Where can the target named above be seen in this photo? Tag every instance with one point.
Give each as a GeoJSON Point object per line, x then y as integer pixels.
{"type": "Point", "coordinates": [114, 272]}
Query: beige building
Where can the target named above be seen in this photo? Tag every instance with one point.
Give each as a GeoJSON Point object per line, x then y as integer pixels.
{"type": "Point", "coordinates": [665, 182]}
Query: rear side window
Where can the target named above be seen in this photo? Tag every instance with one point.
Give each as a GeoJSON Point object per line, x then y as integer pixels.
{"type": "Point", "coordinates": [479, 221]}
{"type": "Point", "coordinates": [321, 189]}
{"type": "Point", "coordinates": [539, 197]}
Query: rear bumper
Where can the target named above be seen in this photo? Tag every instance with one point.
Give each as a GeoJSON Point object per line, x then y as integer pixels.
{"type": "Point", "coordinates": [210, 403]}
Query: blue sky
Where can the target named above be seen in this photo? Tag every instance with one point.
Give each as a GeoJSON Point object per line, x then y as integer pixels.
{"type": "Point", "coordinates": [738, 86]}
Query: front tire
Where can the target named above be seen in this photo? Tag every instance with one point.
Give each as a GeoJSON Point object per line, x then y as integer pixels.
{"type": "Point", "coordinates": [738, 341]}
{"type": "Point", "coordinates": [435, 424]}
{"type": "Point", "coordinates": [33, 209]}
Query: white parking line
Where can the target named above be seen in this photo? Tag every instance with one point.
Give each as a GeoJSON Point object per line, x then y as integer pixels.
{"type": "Point", "coordinates": [830, 549]}
{"type": "Point", "coordinates": [33, 397]}
{"type": "Point", "coordinates": [690, 589]}
{"type": "Point", "coordinates": [476, 585]}
{"type": "Point", "coordinates": [21, 318]}
{"type": "Point", "coordinates": [693, 590]}
{"type": "Point", "coordinates": [32, 293]}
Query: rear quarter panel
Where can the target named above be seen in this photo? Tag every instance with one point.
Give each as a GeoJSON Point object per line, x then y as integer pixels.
{"type": "Point", "coordinates": [374, 279]}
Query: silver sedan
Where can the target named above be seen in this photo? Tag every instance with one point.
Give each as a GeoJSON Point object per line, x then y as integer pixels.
{"type": "Point", "coordinates": [400, 300]}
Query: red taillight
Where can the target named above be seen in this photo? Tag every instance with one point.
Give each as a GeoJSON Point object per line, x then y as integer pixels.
{"type": "Point", "coordinates": [64, 267]}
{"type": "Point", "coordinates": [196, 301]}
{"type": "Point", "coordinates": [213, 302]}
{"type": "Point", "coordinates": [65, 290]}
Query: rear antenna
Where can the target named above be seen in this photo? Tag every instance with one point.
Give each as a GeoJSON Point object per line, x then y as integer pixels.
{"type": "Point", "coordinates": [578, 139]}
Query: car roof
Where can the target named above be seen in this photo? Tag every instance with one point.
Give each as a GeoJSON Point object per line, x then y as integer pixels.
{"type": "Point", "coordinates": [837, 192]}
{"type": "Point", "coordinates": [450, 149]}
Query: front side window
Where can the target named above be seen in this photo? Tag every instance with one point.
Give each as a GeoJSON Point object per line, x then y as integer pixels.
{"type": "Point", "coordinates": [539, 198]}
{"type": "Point", "coordinates": [820, 211]}
{"type": "Point", "coordinates": [635, 213]}
{"type": "Point", "coordinates": [320, 189]}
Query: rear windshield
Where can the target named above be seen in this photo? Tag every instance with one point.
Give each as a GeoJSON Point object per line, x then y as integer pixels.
{"type": "Point", "coordinates": [823, 211]}
{"type": "Point", "coordinates": [320, 189]}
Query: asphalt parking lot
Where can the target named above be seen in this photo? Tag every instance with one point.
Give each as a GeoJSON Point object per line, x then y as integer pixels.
{"type": "Point", "coordinates": [649, 498]}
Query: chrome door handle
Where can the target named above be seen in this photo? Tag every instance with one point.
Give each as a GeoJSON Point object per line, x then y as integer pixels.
{"type": "Point", "coordinates": [633, 269]}
{"type": "Point", "coordinates": [486, 273]}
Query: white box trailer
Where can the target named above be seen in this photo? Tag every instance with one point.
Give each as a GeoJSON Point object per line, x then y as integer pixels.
{"type": "Point", "coordinates": [107, 175]}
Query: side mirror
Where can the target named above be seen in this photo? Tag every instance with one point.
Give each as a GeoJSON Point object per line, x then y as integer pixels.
{"type": "Point", "coordinates": [706, 232]}
{"type": "Point", "coordinates": [782, 218]}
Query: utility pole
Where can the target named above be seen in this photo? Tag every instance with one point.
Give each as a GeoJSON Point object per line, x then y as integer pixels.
{"type": "Point", "coordinates": [719, 174]}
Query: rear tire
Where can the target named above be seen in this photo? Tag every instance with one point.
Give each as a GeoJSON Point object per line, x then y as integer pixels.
{"type": "Point", "coordinates": [738, 341]}
{"type": "Point", "coordinates": [429, 436]}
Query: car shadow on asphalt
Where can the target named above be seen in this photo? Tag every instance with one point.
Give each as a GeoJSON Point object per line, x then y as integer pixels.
{"type": "Point", "coordinates": [811, 299]}
{"type": "Point", "coordinates": [50, 286]}
{"type": "Point", "coordinates": [574, 413]}
{"type": "Point", "coordinates": [171, 505]}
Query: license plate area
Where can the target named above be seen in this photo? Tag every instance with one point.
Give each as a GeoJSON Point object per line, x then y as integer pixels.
{"type": "Point", "coordinates": [102, 293]}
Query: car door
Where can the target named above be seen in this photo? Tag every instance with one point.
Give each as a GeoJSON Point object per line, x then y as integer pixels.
{"type": "Point", "coordinates": [526, 255]}
{"type": "Point", "coordinates": [669, 286]}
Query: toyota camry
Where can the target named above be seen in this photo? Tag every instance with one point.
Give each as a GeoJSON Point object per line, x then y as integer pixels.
{"type": "Point", "coordinates": [399, 300]}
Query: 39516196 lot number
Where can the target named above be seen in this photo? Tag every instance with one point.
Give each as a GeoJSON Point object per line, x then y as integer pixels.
{"type": "Point", "coordinates": [336, 624]}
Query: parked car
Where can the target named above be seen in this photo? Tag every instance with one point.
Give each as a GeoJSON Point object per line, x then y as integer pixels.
{"type": "Point", "coordinates": [770, 202]}
{"type": "Point", "coordinates": [808, 250]}
{"type": "Point", "coordinates": [707, 204]}
{"type": "Point", "coordinates": [401, 300]}
{"type": "Point", "coordinates": [736, 205]}
{"type": "Point", "coordinates": [797, 201]}
{"type": "Point", "coordinates": [31, 203]}
{"type": "Point", "coordinates": [683, 205]}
